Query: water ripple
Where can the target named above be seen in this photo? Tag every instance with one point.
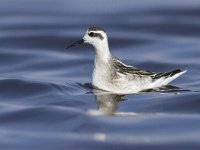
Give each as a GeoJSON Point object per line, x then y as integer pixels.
{"type": "Point", "coordinates": [46, 97]}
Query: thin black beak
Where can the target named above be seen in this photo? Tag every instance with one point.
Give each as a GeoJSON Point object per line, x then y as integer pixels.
{"type": "Point", "coordinates": [76, 43]}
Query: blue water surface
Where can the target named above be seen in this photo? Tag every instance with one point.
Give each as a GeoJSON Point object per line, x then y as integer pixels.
{"type": "Point", "coordinates": [46, 98]}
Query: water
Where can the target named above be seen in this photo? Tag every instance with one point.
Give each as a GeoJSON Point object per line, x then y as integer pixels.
{"type": "Point", "coordinates": [46, 99]}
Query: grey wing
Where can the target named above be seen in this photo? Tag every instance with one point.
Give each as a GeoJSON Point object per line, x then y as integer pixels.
{"type": "Point", "coordinates": [124, 69]}
{"type": "Point", "coordinates": [130, 70]}
{"type": "Point", "coordinates": [154, 75]}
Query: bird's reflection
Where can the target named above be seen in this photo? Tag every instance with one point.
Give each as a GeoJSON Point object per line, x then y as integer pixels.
{"type": "Point", "coordinates": [108, 103]}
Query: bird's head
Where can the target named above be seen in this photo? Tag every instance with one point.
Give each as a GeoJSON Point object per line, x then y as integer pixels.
{"type": "Point", "coordinates": [95, 36]}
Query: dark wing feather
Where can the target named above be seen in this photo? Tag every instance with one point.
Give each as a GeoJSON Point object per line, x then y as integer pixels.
{"type": "Point", "coordinates": [125, 69]}
{"type": "Point", "coordinates": [166, 74]}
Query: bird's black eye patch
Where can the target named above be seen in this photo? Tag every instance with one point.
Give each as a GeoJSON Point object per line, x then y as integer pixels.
{"type": "Point", "coordinates": [98, 35]}
{"type": "Point", "coordinates": [91, 34]}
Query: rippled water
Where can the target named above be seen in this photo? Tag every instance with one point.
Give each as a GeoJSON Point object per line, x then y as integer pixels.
{"type": "Point", "coordinates": [46, 99]}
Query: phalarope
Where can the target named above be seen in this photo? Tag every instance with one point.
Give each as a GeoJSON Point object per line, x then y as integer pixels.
{"type": "Point", "coordinates": [111, 74]}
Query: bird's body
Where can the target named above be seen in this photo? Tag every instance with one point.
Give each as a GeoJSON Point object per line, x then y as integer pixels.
{"type": "Point", "coordinates": [113, 75]}
{"type": "Point", "coordinates": [117, 77]}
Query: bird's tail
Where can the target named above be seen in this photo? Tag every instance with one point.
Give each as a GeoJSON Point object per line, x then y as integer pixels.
{"type": "Point", "coordinates": [167, 77]}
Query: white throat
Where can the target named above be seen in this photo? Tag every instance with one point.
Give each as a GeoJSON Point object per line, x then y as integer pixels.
{"type": "Point", "coordinates": [102, 52]}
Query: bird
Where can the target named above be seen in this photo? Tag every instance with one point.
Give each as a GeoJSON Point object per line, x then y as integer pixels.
{"type": "Point", "coordinates": [112, 75]}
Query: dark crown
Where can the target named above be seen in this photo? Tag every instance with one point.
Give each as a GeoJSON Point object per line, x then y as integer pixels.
{"type": "Point", "coordinates": [95, 28]}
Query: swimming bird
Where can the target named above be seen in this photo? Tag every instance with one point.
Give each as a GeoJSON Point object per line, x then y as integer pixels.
{"type": "Point", "coordinates": [111, 74]}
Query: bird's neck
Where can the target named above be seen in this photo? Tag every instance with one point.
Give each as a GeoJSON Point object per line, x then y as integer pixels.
{"type": "Point", "coordinates": [101, 65]}
{"type": "Point", "coordinates": [102, 52]}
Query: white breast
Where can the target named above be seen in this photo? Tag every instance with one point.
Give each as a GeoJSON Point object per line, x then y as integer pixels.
{"type": "Point", "coordinates": [101, 75]}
